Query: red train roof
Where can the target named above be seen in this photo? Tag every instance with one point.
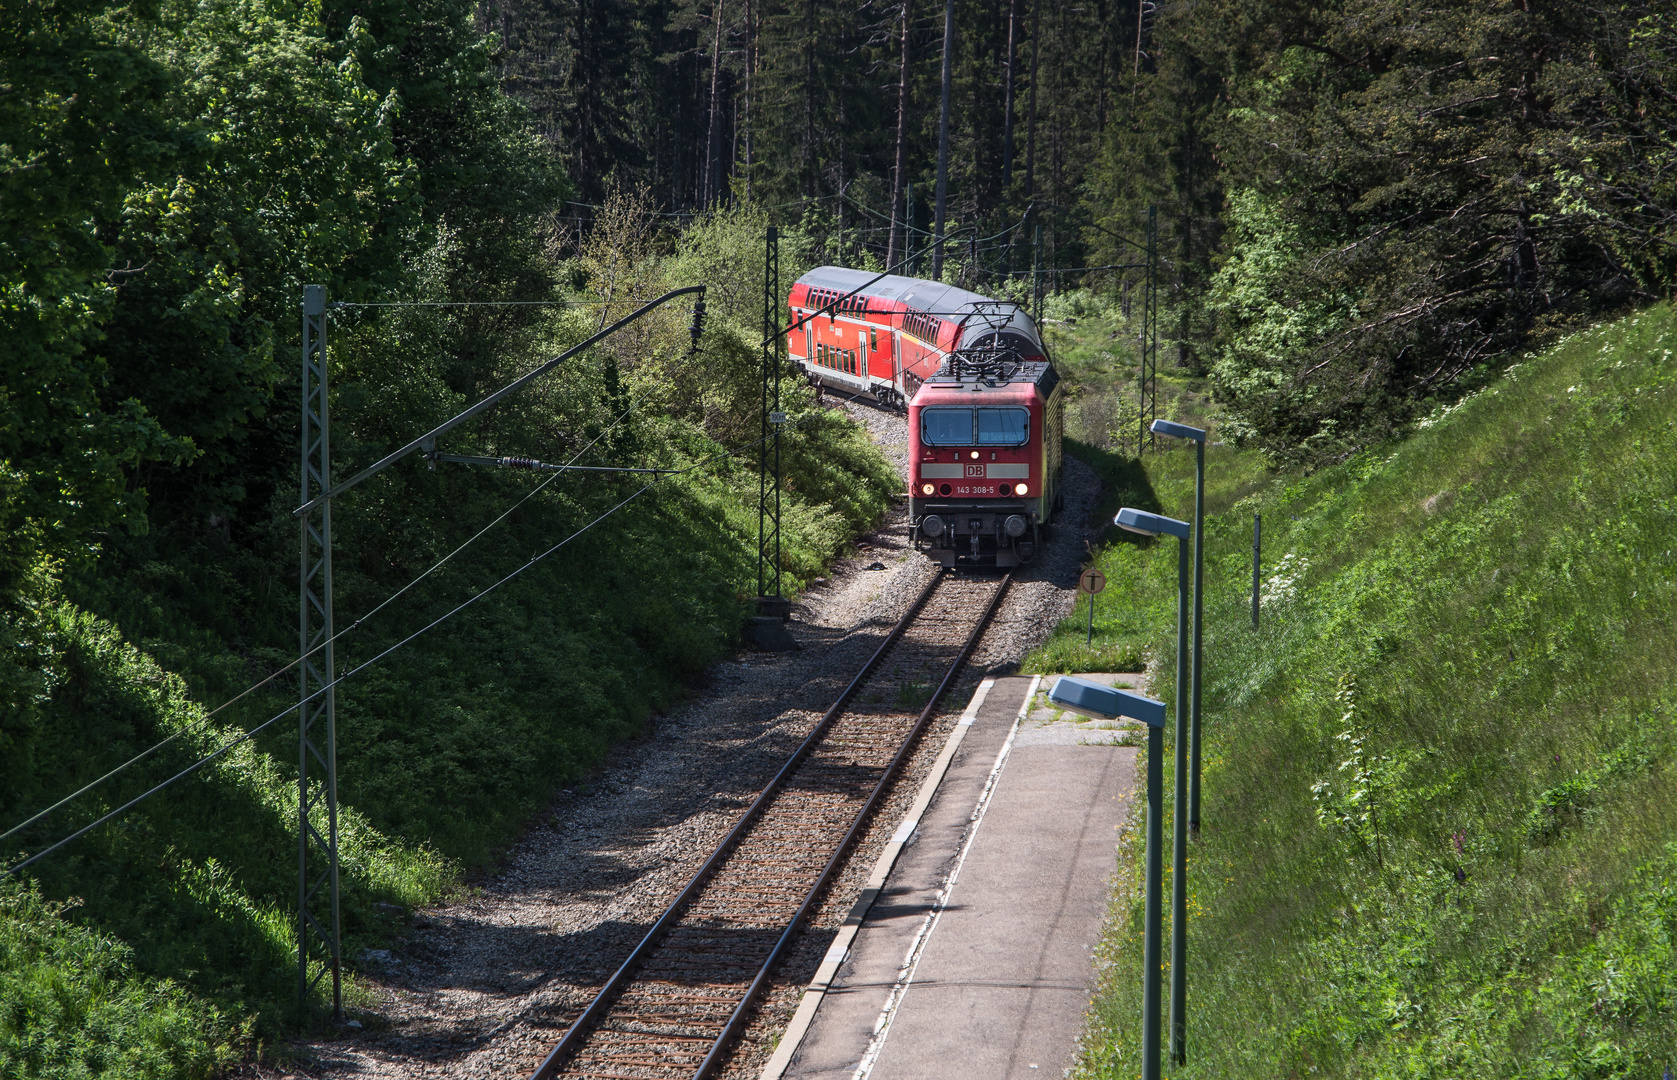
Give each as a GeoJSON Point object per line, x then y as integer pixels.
{"type": "Point", "coordinates": [981, 315]}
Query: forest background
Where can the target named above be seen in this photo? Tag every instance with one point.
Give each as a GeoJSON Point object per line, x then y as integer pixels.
{"type": "Point", "coordinates": [1365, 209]}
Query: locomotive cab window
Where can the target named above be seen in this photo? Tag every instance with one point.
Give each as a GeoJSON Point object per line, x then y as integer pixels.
{"type": "Point", "coordinates": [946, 427]}
{"type": "Point", "coordinates": [1003, 427]}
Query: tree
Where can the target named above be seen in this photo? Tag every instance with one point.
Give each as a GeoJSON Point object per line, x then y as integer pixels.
{"type": "Point", "coordinates": [1460, 189]}
{"type": "Point", "coordinates": [81, 122]}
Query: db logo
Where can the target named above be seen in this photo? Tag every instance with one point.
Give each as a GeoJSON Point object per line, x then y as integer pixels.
{"type": "Point", "coordinates": [975, 470]}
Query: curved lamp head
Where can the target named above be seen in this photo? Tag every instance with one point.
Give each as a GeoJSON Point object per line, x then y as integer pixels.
{"type": "Point", "coordinates": [1177, 431]}
{"type": "Point", "coordinates": [1140, 521]}
{"type": "Point", "coordinates": [1105, 702]}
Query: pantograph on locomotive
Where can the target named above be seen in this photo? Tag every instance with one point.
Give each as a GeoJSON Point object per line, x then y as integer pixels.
{"type": "Point", "coordinates": [985, 405]}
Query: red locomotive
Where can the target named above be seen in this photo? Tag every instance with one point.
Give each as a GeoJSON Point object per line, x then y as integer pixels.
{"type": "Point", "coordinates": [985, 405]}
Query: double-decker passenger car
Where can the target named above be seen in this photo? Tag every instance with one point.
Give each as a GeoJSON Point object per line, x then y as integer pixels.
{"type": "Point", "coordinates": [984, 402]}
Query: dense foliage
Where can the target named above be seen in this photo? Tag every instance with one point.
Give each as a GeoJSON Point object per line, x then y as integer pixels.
{"type": "Point", "coordinates": [1364, 207]}
{"type": "Point", "coordinates": [1377, 207]}
{"type": "Point", "coordinates": [71, 1005]}
{"type": "Point", "coordinates": [173, 174]}
{"type": "Point", "coordinates": [1437, 810]}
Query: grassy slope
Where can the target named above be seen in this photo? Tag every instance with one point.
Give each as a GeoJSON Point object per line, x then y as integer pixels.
{"type": "Point", "coordinates": [1093, 353]}
{"type": "Point", "coordinates": [70, 1004]}
{"type": "Point", "coordinates": [1438, 821]}
{"type": "Point", "coordinates": [445, 749]}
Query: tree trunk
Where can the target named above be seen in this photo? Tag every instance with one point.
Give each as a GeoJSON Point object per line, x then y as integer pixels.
{"type": "Point", "coordinates": [708, 194]}
{"type": "Point", "coordinates": [943, 138]}
{"type": "Point", "coordinates": [748, 116]}
{"type": "Point", "coordinates": [585, 100]}
{"type": "Point", "coordinates": [1007, 96]}
{"type": "Point", "coordinates": [1030, 109]}
{"type": "Point", "coordinates": [809, 100]}
{"type": "Point", "coordinates": [1140, 24]}
{"type": "Point", "coordinates": [897, 246]}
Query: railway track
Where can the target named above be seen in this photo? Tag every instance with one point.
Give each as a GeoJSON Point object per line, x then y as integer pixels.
{"type": "Point", "coordinates": [675, 1006]}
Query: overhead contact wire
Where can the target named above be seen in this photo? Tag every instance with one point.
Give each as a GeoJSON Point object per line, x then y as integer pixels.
{"type": "Point", "coordinates": [290, 709]}
{"type": "Point", "coordinates": [386, 602]}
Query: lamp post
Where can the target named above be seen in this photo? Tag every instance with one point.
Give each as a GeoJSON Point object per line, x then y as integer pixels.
{"type": "Point", "coordinates": [1183, 431]}
{"type": "Point", "coordinates": [1109, 703]}
{"type": "Point", "coordinates": [1139, 521]}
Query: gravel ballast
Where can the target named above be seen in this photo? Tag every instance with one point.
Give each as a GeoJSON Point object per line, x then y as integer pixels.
{"type": "Point", "coordinates": [482, 985]}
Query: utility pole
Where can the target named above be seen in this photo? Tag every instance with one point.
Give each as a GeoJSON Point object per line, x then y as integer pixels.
{"type": "Point", "coordinates": [908, 235]}
{"type": "Point", "coordinates": [768, 475]}
{"type": "Point", "coordinates": [1149, 396]}
{"type": "Point", "coordinates": [768, 628]}
{"type": "Point", "coordinates": [943, 137]}
{"type": "Point", "coordinates": [317, 743]}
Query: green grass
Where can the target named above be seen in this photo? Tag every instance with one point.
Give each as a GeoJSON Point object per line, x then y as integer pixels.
{"type": "Point", "coordinates": [1438, 823]}
{"type": "Point", "coordinates": [1128, 611]}
{"type": "Point", "coordinates": [446, 749]}
{"type": "Point", "coordinates": [72, 1005]}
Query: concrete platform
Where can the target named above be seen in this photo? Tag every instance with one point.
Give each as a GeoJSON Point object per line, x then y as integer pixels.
{"type": "Point", "coordinates": [973, 955]}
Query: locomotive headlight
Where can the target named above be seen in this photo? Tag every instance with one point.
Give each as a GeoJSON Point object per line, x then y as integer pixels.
{"type": "Point", "coordinates": [926, 489]}
{"type": "Point", "coordinates": [975, 455]}
{"type": "Point", "coordinates": [1021, 489]}
{"type": "Point", "coordinates": [1014, 525]}
{"type": "Point", "coordinates": [931, 525]}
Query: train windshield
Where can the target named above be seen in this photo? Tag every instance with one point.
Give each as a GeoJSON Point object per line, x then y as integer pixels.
{"type": "Point", "coordinates": [1003, 427]}
{"type": "Point", "coordinates": [974, 427]}
{"type": "Point", "coordinates": [946, 427]}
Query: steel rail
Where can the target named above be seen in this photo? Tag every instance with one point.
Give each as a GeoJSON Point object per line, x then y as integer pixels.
{"type": "Point", "coordinates": [720, 1047]}
{"type": "Point", "coordinates": [673, 914]}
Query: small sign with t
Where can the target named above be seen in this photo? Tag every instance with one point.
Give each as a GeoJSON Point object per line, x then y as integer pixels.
{"type": "Point", "coordinates": [1092, 582]}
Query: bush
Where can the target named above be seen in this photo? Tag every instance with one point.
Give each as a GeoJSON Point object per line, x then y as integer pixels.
{"type": "Point", "coordinates": [71, 1005]}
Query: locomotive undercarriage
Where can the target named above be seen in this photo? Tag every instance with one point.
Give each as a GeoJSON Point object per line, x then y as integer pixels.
{"type": "Point", "coordinates": [993, 533]}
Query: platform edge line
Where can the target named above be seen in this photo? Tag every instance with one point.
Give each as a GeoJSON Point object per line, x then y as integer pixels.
{"type": "Point", "coordinates": [790, 1039]}
{"type": "Point", "coordinates": [911, 962]}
